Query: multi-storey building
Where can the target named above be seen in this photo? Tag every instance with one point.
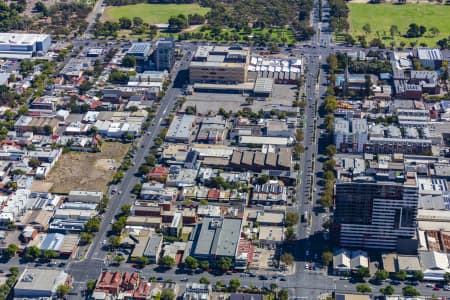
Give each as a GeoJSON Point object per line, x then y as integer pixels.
{"type": "Point", "coordinates": [219, 64]}
{"type": "Point", "coordinates": [376, 212]}
{"type": "Point", "coordinates": [164, 55]}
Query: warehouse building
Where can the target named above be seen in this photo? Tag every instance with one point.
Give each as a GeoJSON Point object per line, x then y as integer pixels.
{"type": "Point", "coordinates": [39, 283]}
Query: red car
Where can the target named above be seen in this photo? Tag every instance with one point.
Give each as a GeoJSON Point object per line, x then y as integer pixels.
{"type": "Point", "coordinates": [436, 288]}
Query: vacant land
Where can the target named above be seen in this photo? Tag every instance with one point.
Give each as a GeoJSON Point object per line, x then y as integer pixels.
{"type": "Point", "coordinates": [87, 171]}
{"type": "Point", "coordinates": [382, 16]}
{"type": "Point", "coordinates": [152, 13]}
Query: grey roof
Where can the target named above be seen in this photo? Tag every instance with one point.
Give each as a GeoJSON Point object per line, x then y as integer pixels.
{"type": "Point", "coordinates": [341, 126]}
{"type": "Point", "coordinates": [217, 236]}
{"type": "Point", "coordinates": [153, 244]}
{"type": "Point", "coordinates": [429, 54]}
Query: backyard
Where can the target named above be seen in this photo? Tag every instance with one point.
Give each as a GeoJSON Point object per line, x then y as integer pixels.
{"type": "Point", "coordinates": [381, 17]}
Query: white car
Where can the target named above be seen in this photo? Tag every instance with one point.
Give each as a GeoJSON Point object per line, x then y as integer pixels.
{"type": "Point", "coordinates": [430, 285]}
{"type": "Point", "coordinates": [306, 266]}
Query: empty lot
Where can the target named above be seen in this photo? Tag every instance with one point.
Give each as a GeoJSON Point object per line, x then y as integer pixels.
{"type": "Point", "coordinates": [86, 171]}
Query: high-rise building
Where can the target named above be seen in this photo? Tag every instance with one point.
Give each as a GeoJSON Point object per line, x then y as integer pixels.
{"type": "Point", "coordinates": [376, 211]}
{"type": "Point", "coordinates": [164, 54]}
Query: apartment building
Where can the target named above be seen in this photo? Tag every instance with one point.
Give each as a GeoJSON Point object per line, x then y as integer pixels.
{"type": "Point", "coordinates": [375, 211]}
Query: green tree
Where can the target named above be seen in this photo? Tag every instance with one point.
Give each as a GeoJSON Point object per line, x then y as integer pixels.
{"type": "Point", "coordinates": [34, 162]}
{"type": "Point", "coordinates": [125, 23]}
{"type": "Point", "coordinates": [292, 218]}
{"type": "Point", "coordinates": [115, 241]}
{"type": "Point", "coordinates": [330, 104]}
{"type": "Point", "coordinates": [142, 261]}
{"type": "Point", "coordinates": [49, 254]}
{"type": "Point", "coordinates": [332, 62]}
{"type": "Point", "coordinates": [287, 259]}
{"type": "Point", "coordinates": [283, 295]}
{"type": "Point", "coordinates": [418, 275]}
{"type": "Point", "coordinates": [327, 257]}
{"type": "Point", "coordinates": [33, 252]}
{"type": "Point", "coordinates": [62, 290]}
{"type": "Point", "coordinates": [90, 286]}
{"type": "Point", "coordinates": [204, 265]}
{"type": "Point", "coordinates": [388, 290]}
{"type": "Point", "coordinates": [92, 225]}
{"type": "Point", "coordinates": [410, 291]}
{"type": "Point", "coordinates": [447, 276]}
{"type": "Point", "coordinates": [290, 234]}
{"type": "Point", "coordinates": [224, 263]}
{"type": "Point", "coordinates": [363, 273]}
{"type": "Point", "coordinates": [167, 261]}
{"type": "Point", "coordinates": [191, 262]}
{"type": "Point", "coordinates": [381, 275]}
{"type": "Point", "coordinates": [363, 288]}
{"type": "Point", "coordinates": [367, 28]}
{"type": "Point", "coordinates": [204, 280]}
{"type": "Point", "coordinates": [118, 259]}
{"type": "Point", "coordinates": [129, 61]}
{"type": "Point", "coordinates": [167, 294]}
{"type": "Point", "coordinates": [330, 151]}
{"type": "Point", "coordinates": [11, 250]}
{"type": "Point", "coordinates": [234, 284]}
{"type": "Point", "coordinates": [137, 21]}
{"type": "Point", "coordinates": [125, 209]}
{"type": "Point", "coordinates": [400, 275]}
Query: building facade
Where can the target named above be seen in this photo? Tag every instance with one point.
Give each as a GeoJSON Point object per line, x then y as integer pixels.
{"type": "Point", "coordinates": [375, 214]}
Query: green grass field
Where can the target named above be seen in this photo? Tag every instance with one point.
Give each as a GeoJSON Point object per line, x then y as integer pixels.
{"type": "Point", "coordinates": [152, 13]}
{"type": "Point", "coordinates": [382, 16]}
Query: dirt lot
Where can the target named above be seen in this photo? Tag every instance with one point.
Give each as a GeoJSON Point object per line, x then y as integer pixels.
{"type": "Point", "coordinates": [86, 171]}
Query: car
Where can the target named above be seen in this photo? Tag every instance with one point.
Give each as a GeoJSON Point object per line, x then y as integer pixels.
{"type": "Point", "coordinates": [283, 279]}
{"type": "Point", "coordinates": [263, 277]}
{"type": "Point", "coordinates": [395, 282]}
{"type": "Point", "coordinates": [63, 264]}
{"type": "Point", "coordinates": [159, 279]}
{"type": "Point", "coordinates": [436, 288]}
{"type": "Point", "coordinates": [430, 285]}
{"type": "Point", "coordinates": [306, 266]}
{"type": "Point", "coordinates": [184, 279]}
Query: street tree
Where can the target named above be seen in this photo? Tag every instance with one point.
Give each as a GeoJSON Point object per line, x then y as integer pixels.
{"type": "Point", "coordinates": [234, 284]}
{"type": "Point", "coordinates": [363, 288]}
{"type": "Point", "coordinates": [388, 290]}
{"type": "Point", "coordinates": [381, 275]}
{"type": "Point", "coordinates": [224, 263]}
{"type": "Point", "coordinates": [363, 273]}
{"type": "Point", "coordinates": [292, 218]}
{"type": "Point", "coordinates": [11, 250]}
{"type": "Point", "coordinates": [191, 262]}
{"type": "Point", "coordinates": [204, 280]}
{"type": "Point", "coordinates": [327, 257]}
{"type": "Point", "coordinates": [167, 294]}
{"type": "Point", "coordinates": [400, 275]}
{"type": "Point", "coordinates": [62, 290]}
{"type": "Point", "coordinates": [287, 259]}
{"type": "Point", "coordinates": [283, 295]}
{"type": "Point", "coordinates": [410, 291]}
{"type": "Point", "coordinates": [167, 261]}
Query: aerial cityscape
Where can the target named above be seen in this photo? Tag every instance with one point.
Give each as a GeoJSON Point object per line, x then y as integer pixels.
{"type": "Point", "coordinates": [215, 150]}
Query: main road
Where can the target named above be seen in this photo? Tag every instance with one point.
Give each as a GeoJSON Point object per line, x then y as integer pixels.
{"type": "Point", "coordinates": [94, 260]}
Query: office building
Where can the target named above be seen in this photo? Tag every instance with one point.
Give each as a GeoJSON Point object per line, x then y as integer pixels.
{"type": "Point", "coordinates": [164, 55]}
{"type": "Point", "coordinates": [219, 64]}
{"type": "Point", "coordinates": [22, 45]}
{"type": "Point", "coordinates": [375, 211]}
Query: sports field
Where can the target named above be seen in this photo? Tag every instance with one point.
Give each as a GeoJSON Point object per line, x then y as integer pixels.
{"type": "Point", "coordinates": [152, 13]}
{"type": "Point", "coordinates": [382, 16]}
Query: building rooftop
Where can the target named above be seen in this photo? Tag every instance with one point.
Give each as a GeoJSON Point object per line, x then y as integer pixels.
{"type": "Point", "coordinates": [33, 281]}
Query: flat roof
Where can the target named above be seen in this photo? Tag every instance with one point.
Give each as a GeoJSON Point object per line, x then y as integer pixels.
{"type": "Point", "coordinates": [21, 38]}
{"type": "Point", "coordinates": [41, 280]}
